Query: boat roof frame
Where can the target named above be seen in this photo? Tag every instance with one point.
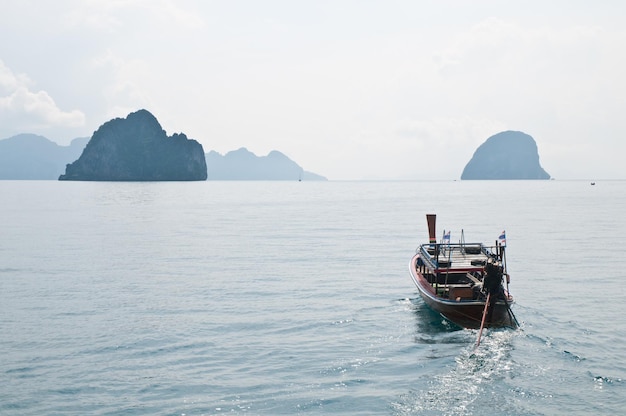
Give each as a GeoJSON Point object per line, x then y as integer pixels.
{"type": "Point", "coordinates": [433, 264]}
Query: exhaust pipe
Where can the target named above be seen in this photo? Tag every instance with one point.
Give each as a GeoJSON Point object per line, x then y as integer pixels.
{"type": "Point", "coordinates": [431, 219]}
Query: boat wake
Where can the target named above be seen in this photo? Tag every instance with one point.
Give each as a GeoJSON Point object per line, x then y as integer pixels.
{"type": "Point", "coordinates": [477, 380]}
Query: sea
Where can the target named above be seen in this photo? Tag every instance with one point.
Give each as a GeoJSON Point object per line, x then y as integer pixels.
{"type": "Point", "coordinates": [284, 298]}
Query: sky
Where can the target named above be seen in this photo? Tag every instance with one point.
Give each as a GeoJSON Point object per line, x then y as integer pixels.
{"type": "Point", "coordinates": [351, 90]}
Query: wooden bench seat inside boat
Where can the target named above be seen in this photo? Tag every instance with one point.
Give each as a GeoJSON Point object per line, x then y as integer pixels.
{"type": "Point", "coordinates": [461, 292]}
{"type": "Point", "coordinates": [450, 278]}
{"type": "Point", "coordinates": [458, 291]}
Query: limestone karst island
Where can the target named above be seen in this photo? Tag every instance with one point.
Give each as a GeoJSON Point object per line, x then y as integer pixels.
{"type": "Point", "coordinates": [506, 155]}
{"type": "Point", "coordinates": [136, 148]}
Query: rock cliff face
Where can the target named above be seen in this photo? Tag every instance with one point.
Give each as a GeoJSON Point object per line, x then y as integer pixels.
{"type": "Point", "coordinates": [138, 149]}
{"type": "Point", "coordinates": [244, 165]}
{"type": "Point", "coordinates": [506, 155]}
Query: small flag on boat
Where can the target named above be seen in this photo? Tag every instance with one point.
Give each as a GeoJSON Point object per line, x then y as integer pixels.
{"type": "Point", "coordinates": [446, 237]}
{"type": "Point", "coordinates": [502, 239]}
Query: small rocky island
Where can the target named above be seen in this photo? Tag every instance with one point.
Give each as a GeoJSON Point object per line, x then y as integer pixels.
{"type": "Point", "coordinates": [138, 149]}
{"type": "Point", "coordinates": [506, 155]}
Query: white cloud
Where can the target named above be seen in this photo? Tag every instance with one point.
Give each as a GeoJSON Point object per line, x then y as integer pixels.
{"type": "Point", "coordinates": [536, 64]}
{"type": "Point", "coordinates": [9, 81]}
{"type": "Point", "coordinates": [127, 90]}
{"type": "Point", "coordinates": [26, 109]}
{"type": "Point", "coordinates": [120, 15]}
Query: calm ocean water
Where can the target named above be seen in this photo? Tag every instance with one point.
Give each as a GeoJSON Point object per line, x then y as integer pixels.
{"type": "Point", "coordinates": [269, 298]}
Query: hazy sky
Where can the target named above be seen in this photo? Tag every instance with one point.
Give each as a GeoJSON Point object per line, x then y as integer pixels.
{"type": "Point", "coordinates": [393, 89]}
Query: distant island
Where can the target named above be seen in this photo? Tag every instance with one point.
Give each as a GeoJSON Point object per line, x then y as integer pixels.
{"type": "Point", "coordinates": [136, 148]}
{"type": "Point", "coordinates": [506, 155]}
{"type": "Point", "coordinates": [244, 165]}
{"type": "Point", "coordinates": [33, 157]}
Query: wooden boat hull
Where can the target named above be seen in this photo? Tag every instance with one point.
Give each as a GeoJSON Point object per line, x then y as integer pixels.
{"type": "Point", "coordinates": [464, 313]}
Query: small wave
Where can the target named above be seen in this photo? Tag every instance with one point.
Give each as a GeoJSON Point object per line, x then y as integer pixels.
{"type": "Point", "coordinates": [573, 356]}
{"type": "Point", "coordinates": [8, 270]}
{"type": "Point", "coordinates": [603, 380]}
{"type": "Point", "coordinates": [343, 321]}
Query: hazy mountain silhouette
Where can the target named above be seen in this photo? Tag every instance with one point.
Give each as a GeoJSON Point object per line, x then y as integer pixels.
{"type": "Point", "coordinates": [506, 155]}
{"type": "Point", "coordinates": [29, 156]}
{"type": "Point", "coordinates": [244, 165]}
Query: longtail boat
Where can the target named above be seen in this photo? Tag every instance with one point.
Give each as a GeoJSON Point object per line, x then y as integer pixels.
{"type": "Point", "coordinates": [464, 282]}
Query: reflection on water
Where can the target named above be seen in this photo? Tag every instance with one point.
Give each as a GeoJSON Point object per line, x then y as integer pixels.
{"type": "Point", "coordinates": [432, 328]}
